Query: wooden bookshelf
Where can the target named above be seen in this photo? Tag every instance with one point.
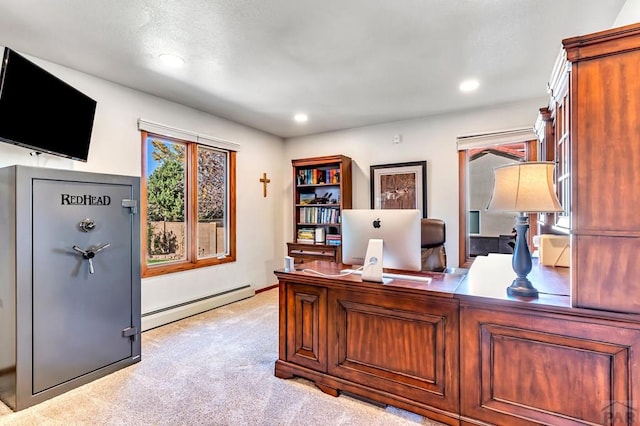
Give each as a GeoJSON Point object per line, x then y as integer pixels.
{"type": "Point", "coordinates": [321, 190]}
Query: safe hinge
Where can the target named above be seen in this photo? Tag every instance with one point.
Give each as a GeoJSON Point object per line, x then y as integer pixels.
{"type": "Point", "coordinates": [130, 332]}
{"type": "Point", "coordinates": [131, 204]}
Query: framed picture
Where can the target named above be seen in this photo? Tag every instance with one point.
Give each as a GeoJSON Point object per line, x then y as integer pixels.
{"type": "Point", "coordinates": [399, 186]}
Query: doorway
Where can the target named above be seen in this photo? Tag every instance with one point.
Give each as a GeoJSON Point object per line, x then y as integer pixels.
{"type": "Point", "coordinates": [483, 232]}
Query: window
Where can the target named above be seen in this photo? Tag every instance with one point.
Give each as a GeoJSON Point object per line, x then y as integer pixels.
{"type": "Point", "coordinates": [474, 221]}
{"type": "Point", "coordinates": [188, 205]}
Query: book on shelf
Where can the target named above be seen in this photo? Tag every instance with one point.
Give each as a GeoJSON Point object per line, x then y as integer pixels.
{"type": "Point", "coordinates": [332, 176]}
{"type": "Point", "coordinates": [333, 239]}
{"type": "Point", "coordinates": [318, 176]}
{"type": "Point", "coordinates": [306, 234]}
{"type": "Point", "coordinates": [323, 215]}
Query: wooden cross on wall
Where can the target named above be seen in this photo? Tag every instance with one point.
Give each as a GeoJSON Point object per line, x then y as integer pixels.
{"type": "Point", "coordinates": [264, 181]}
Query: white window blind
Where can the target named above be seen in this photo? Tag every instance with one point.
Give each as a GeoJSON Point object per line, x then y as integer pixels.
{"type": "Point", "coordinates": [174, 132]}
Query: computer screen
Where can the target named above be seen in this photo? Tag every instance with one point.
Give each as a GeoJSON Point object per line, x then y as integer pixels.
{"type": "Point", "coordinates": [399, 229]}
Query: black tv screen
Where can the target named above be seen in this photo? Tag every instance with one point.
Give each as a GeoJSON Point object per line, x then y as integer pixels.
{"type": "Point", "coordinates": [41, 112]}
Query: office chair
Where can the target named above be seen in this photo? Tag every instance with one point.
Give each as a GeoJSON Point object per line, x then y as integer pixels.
{"type": "Point", "coordinates": [433, 236]}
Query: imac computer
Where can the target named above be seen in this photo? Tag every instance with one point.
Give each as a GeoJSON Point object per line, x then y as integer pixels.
{"type": "Point", "coordinates": [380, 239]}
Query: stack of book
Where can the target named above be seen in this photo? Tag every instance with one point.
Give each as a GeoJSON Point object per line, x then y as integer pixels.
{"type": "Point", "coordinates": [333, 239]}
{"type": "Point", "coordinates": [306, 235]}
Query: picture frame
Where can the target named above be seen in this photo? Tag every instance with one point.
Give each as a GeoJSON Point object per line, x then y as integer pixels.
{"type": "Point", "coordinates": [399, 186]}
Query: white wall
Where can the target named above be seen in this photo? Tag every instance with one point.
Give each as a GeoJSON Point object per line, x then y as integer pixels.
{"type": "Point", "coordinates": [430, 138]}
{"type": "Point", "coordinates": [116, 149]}
{"type": "Point", "coordinates": [629, 14]}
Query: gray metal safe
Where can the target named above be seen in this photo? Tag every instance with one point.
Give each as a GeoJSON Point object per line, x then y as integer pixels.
{"type": "Point", "coordinates": [69, 280]}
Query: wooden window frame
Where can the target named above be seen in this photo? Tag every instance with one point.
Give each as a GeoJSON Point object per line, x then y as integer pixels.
{"type": "Point", "coordinates": [191, 261]}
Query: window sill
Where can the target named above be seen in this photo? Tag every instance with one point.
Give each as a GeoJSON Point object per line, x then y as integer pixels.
{"type": "Point", "coordinates": [169, 268]}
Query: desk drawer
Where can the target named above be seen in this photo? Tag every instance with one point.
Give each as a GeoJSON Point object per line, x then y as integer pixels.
{"type": "Point", "coordinates": [309, 252]}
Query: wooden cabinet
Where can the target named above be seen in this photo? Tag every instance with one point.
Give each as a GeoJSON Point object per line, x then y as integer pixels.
{"type": "Point", "coordinates": [590, 130]}
{"type": "Point", "coordinates": [321, 190]}
{"type": "Point", "coordinates": [605, 154]}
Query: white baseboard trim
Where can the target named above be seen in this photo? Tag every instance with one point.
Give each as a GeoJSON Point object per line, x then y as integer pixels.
{"type": "Point", "coordinates": [165, 316]}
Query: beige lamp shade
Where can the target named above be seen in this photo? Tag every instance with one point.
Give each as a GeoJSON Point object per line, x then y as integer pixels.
{"type": "Point", "coordinates": [524, 187]}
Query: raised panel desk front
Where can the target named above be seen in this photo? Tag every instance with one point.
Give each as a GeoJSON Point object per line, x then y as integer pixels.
{"type": "Point", "coordinates": [541, 361]}
{"type": "Point", "coordinates": [395, 343]}
{"type": "Point", "coordinates": [460, 350]}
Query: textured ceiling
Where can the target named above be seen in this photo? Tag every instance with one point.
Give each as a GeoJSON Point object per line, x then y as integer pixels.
{"type": "Point", "coordinates": [346, 63]}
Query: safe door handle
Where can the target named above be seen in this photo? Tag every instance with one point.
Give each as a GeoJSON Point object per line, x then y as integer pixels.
{"type": "Point", "coordinates": [90, 253]}
{"type": "Point", "coordinates": [100, 248]}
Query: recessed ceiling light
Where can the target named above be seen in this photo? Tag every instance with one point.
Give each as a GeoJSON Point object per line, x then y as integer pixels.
{"type": "Point", "coordinates": [301, 118]}
{"type": "Point", "coordinates": [171, 60]}
{"type": "Point", "coordinates": [469, 85]}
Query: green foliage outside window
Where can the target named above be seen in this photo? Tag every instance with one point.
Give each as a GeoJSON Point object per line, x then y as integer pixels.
{"type": "Point", "coordinates": [166, 193]}
{"type": "Point", "coordinates": [211, 184]}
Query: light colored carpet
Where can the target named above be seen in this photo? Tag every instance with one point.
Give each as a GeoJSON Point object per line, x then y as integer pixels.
{"type": "Point", "coordinates": [214, 368]}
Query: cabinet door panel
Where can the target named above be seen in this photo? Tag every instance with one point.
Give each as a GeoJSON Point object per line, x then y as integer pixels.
{"type": "Point", "coordinates": [404, 346]}
{"type": "Point", "coordinates": [606, 147]}
{"type": "Point", "coordinates": [601, 258]}
{"type": "Point", "coordinates": [530, 369]}
{"type": "Point", "coordinates": [307, 318]}
{"type": "Point", "coordinates": [78, 315]}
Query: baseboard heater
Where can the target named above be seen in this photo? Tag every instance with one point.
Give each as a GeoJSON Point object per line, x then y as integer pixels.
{"type": "Point", "coordinates": [174, 313]}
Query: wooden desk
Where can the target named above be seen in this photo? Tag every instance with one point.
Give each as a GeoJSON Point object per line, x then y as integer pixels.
{"type": "Point", "coordinates": [460, 350]}
{"type": "Point", "coordinates": [395, 343]}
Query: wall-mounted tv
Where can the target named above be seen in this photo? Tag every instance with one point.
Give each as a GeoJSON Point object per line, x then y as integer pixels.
{"type": "Point", "coordinates": [41, 112]}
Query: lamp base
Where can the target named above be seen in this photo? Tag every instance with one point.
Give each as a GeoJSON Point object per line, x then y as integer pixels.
{"type": "Point", "coordinates": [522, 287]}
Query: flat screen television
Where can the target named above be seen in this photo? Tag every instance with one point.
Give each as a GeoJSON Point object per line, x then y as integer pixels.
{"type": "Point", "coordinates": [41, 112]}
{"type": "Point", "coordinates": [399, 231]}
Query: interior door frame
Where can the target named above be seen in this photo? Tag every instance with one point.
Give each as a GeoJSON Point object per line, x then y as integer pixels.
{"type": "Point", "coordinates": [465, 144]}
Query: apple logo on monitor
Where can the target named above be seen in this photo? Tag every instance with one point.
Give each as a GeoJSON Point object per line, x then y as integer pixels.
{"type": "Point", "coordinates": [376, 223]}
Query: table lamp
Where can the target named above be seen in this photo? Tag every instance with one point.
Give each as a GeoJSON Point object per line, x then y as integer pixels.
{"type": "Point", "coordinates": [523, 188]}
